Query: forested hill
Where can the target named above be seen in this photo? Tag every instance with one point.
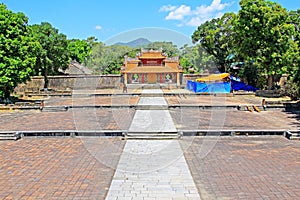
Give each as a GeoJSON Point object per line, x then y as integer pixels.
{"type": "Point", "coordinates": [135, 43]}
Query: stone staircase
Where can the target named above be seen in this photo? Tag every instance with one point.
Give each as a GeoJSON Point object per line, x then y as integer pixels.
{"type": "Point", "coordinates": [152, 136]}
{"type": "Point", "coordinates": [10, 135]}
{"type": "Point", "coordinates": [151, 86]}
{"type": "Point", "coordinates": [292, 135]}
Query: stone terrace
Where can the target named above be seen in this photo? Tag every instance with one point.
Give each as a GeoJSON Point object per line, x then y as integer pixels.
{"type": "Point", "coordinates": [264, 167]}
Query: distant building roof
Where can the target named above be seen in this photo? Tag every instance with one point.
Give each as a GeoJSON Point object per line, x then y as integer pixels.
{"type": "Point", "coordinates": [152, 69]}
{"type": "Point", "coordinates": [76, 68]}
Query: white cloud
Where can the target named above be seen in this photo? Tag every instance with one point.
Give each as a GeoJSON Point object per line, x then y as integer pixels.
{"type": "Point", "coordinates": [167, 8]}
{"type": "Point", "coordinates": [179, 13]}
{"type": "Point", "coordinates": [196, 21]}
{"type": "Point", "coordinates": [194, 17]}
{"type": "Point", "coordinates": [98, 27]}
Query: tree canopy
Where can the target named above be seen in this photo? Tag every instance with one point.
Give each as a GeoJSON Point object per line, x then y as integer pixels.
{"type": "Point", "coordinates": [54, 52]}
{"type": "Point", "coordinates": [263, 36]}
{"type": "Point", "coordinates": [17, 50]}
{"type": "Point", "coordinates": [79, 50]}
{"type": "Point", "coordinates": [107, 59]}
{"type": "Point", "coordinates": [216, 37]}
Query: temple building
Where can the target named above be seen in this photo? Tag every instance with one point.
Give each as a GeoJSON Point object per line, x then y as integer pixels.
{"type": "Point", "coordinates": [151, 67]}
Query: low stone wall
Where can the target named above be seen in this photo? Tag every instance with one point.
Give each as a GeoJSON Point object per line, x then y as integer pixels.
{"type": "Point", "coordinates": [71, 82]}
{"type": "Point", "coordinates": [268, 93]}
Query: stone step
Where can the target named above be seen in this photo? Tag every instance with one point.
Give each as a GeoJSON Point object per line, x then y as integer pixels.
{"type": "Point", "coordinates": [152, 95]}
{"type": "Point", "coordinates": [152, 136]}
{"type": "Point", "coordinates": [10, 136]}
{"type": "Point", "coordinates": [292, 135]}
{"type": "Point", "coordinates": [54, 108]}
{"type": "Point", "coordinates": [152, 107]}
{"type": "Point", "coordinates": [294, 138]}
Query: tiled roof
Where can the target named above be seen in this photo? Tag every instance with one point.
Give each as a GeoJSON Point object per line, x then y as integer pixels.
{"type": "Point", "coordinates": [151, 69]}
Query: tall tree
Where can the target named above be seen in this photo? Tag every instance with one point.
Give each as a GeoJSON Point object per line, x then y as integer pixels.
{"type": "Point", "coordinates": [264, 39]}
{"type": "Point", "coordinates": [167, 47]}
{"type": "Point", "coordinates": [190, 59]}
{"type": "Point", "coordinates": [79, 50]}
{"type": "Point", "coordinates": [107, 59]}
{"type": "Point", "coordinates": [294, 19]}
{"type": "Point", "coordinates": [54, 53]}
{"type": "Point", "coordinates": [17, 50]}
{"type": "Point", "coordinates": [215, 36]}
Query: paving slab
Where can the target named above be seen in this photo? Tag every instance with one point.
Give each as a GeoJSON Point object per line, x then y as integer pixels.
{"type": "Point", "coordinates": [152, 91]}
{"type": "Point", "coordinates": [151, 169]}
{"type": "Point", "coordinates": [152, 101]}
{"type": "Point", "coordinates": [152, 121]}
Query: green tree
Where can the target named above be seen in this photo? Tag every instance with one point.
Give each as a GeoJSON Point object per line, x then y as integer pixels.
{"type": "Point", "coordinates": [17, 50]}
{"type": "Point", "coordinates": [216, 36]}
{"type": "Point", "coordinates": [79, 50]}
{"type": "Point", "coordinates": [189, 58]}
{"type": "Point", "coordinates": [92, 40]}
{"type": "Point", "coordinates": [167, 47]}
{"type": "Point", "coordinates": [264, 39]}
{"type": "Point", "coordinates": [54, 53]}
{"type": "Point", "coordinates": [107, 59]}
{"type": "Point", "coordinates": [294, 19]}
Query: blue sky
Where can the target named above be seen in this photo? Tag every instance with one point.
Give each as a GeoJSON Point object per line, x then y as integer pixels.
{"type": "Point", "coordinates": [111, 20]}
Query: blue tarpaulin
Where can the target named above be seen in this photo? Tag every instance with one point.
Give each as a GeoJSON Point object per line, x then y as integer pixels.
{"type": "Point", "coordinates": [216, 87]}
{"type": "Point", "coordinates": [219, 87]}
{"type": "Point", "coordinates": [237, 85]}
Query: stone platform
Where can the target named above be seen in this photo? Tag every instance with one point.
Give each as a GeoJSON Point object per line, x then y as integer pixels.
{"type": "Point", "coordinates": [240, 167]}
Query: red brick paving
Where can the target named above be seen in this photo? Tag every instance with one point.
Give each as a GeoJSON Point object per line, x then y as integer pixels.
{"type": "Point", "coordinates": [191, 119]}
{"type": "Point", "coordinates": [68, 168]}
{"type": "Point", "coordinates": [219, 99]}
{"type": "Point", "coordinates": [245, 167]}
{"type": "Point", "coordinates": [57, 168]}
{"type": "Point", "coordinates": [92, 101]}
{"type": "Point", "coordinates": [73, 119]}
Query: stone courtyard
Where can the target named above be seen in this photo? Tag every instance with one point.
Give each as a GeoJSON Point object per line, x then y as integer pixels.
{"type": "Point", "coordinates": [192, 167]}
{"type": "Point", "coordinates": [235, 168]}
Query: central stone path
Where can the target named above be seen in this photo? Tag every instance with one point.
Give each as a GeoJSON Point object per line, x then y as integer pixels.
{"type": "Point", "coordinates": [152, 117]}
{"type": "Point", "coordinates": [152, 169]}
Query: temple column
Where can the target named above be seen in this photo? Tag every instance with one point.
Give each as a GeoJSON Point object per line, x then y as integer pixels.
{"type": "Point", "coordinates": [125, 78]}
{"type": "Point", "coordinates": [178, 79]}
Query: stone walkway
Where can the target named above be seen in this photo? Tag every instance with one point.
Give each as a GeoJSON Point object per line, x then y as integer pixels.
{"type": "Point", "coordinates": [152, 121]}
{"type": "Point", "coordinates": [152, 169]}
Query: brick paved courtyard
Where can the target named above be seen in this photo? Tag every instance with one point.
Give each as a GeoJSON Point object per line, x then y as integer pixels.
{"type": "Point", "coordinates": [57, 168]}
{"type": "Point", "coordinates": [193, 119]}
{"type": "Point", "coordinates": [77, 119]}
{"type": "Point", "coordinates": [222, 167]}
{"type": "Point", "coordinates": [245, 167]}
{"type": "Point", "coordinates": [264, 167]}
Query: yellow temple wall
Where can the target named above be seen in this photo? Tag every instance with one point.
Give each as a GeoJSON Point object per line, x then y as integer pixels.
{"type": "Point", "coordinates": [152, 54]}
{"type": "Point", "coordinates": [173, 65]}
{"type": "Point", "coordinates": [131, 65]}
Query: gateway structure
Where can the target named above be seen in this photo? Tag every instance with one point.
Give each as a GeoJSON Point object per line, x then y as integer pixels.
{"type": "Point", "coordinates": [151, 67]}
